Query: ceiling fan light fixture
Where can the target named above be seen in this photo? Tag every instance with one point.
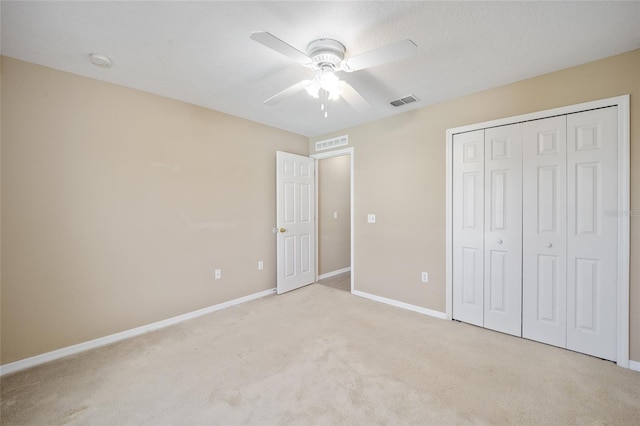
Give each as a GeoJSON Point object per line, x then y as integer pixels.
{"type": "Point", "coordinates": [328, 80]}
{"type": "Point", "coordinates": [313, 89]}
{"type": "Point", "coordinates": [334, 95]}
{"type": "Point", "coordinates": [337, 90]}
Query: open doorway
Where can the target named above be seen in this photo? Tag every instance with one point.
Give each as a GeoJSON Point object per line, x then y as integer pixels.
{"type": "Point", "coordinates": [334, 219]}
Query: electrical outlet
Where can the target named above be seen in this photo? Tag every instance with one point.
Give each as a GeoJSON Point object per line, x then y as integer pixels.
{"type": "Point", "coordinates": [260, 265]}
{"type": "Point", "coordinates": [218, 274]}
{"type": "Point", "coordinates": [371, 218]}
{"type": "Point", "coordinates": [425, 277]}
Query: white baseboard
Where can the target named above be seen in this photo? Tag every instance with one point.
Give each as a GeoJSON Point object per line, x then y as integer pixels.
{"type": "Point", "coordinates": [334, 273]}
{"type": "Point", "coordinates": [634, 365]}
{"type": "Point", "coordinates": [402, 305]}
{"type": "Point", "coordinates": [102, 341]}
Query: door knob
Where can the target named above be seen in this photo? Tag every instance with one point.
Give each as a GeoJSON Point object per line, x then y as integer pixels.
{"type": "Point", "coordinates": [549, 245]}
{"type": "Point", "coordinates": [282, 230]}
{"type": "Point", "coordinates": [499, 241]}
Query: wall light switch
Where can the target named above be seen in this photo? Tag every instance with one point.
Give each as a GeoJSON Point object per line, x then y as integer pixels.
{"type": "Point", "coordinates": [260, 265]}
{"type": "Point", "coordinates": [218, 274]}
{"type": "Point", "coordinates": [371, 218]}
{"type": "Point", "coordinates": [335, 215]}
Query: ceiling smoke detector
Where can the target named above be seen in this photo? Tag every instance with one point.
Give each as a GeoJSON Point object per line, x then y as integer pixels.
{"type": "Point", "coordinates": [100, 60]}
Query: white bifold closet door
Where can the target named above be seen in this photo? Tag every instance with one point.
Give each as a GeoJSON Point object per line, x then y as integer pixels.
{"type": "Point", "coordinates": [503, 229]}
{"type": "Point", "coordinates": [592, 232]}
{"type": "Point", "coordinates": [468, 227]}
{"type": "Point", "coordinates": [487, 228]}
{"type": "Point", "coordinates": [570, 242]}
{"type": "Point", "coordinates": [544, 220]}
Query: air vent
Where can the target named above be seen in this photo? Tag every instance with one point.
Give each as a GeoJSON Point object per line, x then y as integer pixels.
{"type": "Point", "coordinates": [404, 101]}
{"type": "Point", "coordinates": [332, 143]}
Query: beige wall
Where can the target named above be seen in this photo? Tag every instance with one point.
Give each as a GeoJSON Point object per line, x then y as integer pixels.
{"type": "Point", "coordinates": [400, 175]}
{"type": "Point", "coordinates": [118, 205]}
{"type": "Point", "coordinates": [334, 195]}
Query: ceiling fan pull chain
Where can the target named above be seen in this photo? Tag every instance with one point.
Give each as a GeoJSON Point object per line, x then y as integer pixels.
{"type": "Point", "coordinates": [326, 102]}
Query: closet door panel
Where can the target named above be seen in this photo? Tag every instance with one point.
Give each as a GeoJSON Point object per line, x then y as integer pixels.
{"type": "Point", "coordinates": [544, 259]}
{"type": "Point", "coordinates": [503, 229]}
{"type": "Point", "coordinates": [592, 232]}
{"type": "Point", "coordinates": [468, 226]}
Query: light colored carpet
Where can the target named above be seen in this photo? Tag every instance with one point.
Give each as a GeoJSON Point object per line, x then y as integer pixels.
{"type": "Point", "coordinates": [340, 281]}
{"type": "Point", "coordinates": [320, 356]}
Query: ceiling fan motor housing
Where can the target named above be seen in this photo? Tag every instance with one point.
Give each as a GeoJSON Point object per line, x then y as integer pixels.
{"type": "Point", "coordinates": [326, 52]}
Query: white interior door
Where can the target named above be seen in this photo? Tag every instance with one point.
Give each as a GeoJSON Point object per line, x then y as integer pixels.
{"type": "Point", "coordinates": [295, 193]}
{"type": "Point", "coordinates": [503, 229]}
{"type": "Point", "coordinates": [544, 221]}
{"type": "Point", "coordinates": [468, 227]}
{"type": "Point", "coordinates": [592, 195]}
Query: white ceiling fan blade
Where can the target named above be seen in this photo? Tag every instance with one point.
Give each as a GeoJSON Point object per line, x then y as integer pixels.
{"type": "Point", "coordinates": [274, 43]}
{"type": "Point", "coordinates": [289, 91]}
{"type": "Point", "coordinates": [353, 97]}
{"type": "Point", "coordinates": [382, 55]}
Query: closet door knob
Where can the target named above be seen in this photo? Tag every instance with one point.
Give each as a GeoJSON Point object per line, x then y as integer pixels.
{"type": "Point", "coordinates": [499, 241]}
{"type": "Point", "coordinates": [549, 245]}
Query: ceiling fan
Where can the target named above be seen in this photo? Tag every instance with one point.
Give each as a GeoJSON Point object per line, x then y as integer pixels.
{"type": "Point", "coordinates": [326, 57]}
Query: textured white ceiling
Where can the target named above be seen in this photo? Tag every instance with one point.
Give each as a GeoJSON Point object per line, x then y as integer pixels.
{"type": "Point", "coordinates": [200, 52]}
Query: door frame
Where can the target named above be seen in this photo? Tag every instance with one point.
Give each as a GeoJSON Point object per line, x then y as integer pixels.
{"type": "Point", "coordinates": [338, 153]}
{"type": "Point", "coordinates": [622, 102]}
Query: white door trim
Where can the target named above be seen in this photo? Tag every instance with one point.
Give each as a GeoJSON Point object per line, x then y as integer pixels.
{"type": "Point", "coordinates": [337, 153]}
{"type": "Point", "coordinates": [623, 204]}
